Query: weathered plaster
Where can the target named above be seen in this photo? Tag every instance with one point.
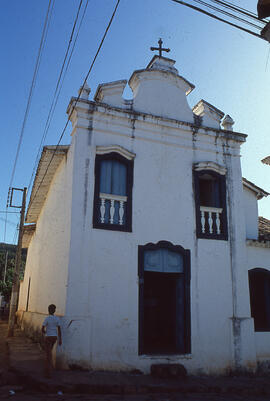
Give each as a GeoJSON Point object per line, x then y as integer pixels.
{"type": "Point", "coordinates": [100, 320]}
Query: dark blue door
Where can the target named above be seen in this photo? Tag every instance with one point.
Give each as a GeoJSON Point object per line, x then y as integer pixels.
{"type": "Point", "coordinates": [163, 315]}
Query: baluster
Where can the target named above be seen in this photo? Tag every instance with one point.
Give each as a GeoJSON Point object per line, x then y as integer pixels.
{"type": "Point", "coordinates": [121, 212]}
{"type": "Point", "coordinates": [210, 222]}
{"type": "Point", "coordinates": [218, 222]}
{"type": "Point", "coordinates": [203, 221]}
{"type": "Point", "coordinates": [112, 210]}
{"type": "Point", "coordinates": [102, 210]}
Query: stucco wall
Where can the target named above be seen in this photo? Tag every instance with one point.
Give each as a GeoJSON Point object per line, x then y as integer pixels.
{"type": "Point", "coordinates": [100, 326]}
{"type": "Point", "coordinates": [47, 257]}
{"type": "Point", "coordinates": [102, 301]}
{"type": "Point", "coordinates": [251, 213]}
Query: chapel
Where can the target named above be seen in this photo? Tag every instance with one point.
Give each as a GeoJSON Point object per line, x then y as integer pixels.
{"type": "Point", "coordinates": [145, 235]}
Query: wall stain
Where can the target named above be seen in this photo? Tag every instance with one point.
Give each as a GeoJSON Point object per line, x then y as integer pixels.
{"type": "Point", "coordinates": [231, 237]}
{"type": "Point", "coordinates": [86, 180]}
{"type": "Point", "coordinates": [90, 130]}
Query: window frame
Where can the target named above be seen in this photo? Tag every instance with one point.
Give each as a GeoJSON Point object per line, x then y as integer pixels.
{"type": "Point", "coordinates": [265, 275]}
{"type": "Point", "coordinates": [221, 178]}
{"type": "Point", "coordinates": [113, 155]}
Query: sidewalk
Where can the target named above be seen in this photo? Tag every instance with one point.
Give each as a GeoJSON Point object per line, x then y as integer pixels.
{"type": "Point", "coordinates": [25, 361]}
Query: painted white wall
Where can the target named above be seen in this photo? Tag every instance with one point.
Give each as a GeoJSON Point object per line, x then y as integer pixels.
{"type": "Point", "coordinates": [100, 326]}
{"type": "Point", "coordinates": [251, 213]}
{"type": "Point", "coordinates": [163, 209]}
{"type": "Point", "coordinates": [48, 252]}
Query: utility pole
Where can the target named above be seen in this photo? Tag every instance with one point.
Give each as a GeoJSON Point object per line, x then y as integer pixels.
{"type": "Point", "coordinates": [16, 278]}
{"type": "Point", "coordinates": [5, 271]}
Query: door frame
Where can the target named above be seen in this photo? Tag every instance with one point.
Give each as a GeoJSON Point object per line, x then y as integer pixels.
{"type": "Point", "coordinates": [186, 259]}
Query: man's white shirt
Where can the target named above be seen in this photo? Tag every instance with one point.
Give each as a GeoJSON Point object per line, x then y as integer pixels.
{"type": "Point", "coordinates": [51, 323]}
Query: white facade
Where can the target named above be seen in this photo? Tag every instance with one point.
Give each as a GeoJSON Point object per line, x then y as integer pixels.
{"type": "Point", "coordinates": [91, 273]}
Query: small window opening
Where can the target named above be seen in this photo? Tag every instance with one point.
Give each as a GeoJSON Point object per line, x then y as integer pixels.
{"type": "Point", "coordinates": [259, 291]}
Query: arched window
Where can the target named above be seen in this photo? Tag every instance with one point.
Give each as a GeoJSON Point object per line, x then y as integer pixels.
{"type": "Point", "coordinates": [210, 200]}
{"type": "Point", "coordinates": [259, 291]}
{"type": "Point", "coordinates": [113, 189]}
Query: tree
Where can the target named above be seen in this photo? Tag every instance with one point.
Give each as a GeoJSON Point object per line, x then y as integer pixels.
{"type": "Point", "coordinates": [6, 286]}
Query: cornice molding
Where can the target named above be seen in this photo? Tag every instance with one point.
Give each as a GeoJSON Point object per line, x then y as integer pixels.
{"type": "Point", "coordinates": [211, 166]}
{"type": "Point", "coordinates": [103, 150]}
{"type": "Point", "coordinates": [97, 108]}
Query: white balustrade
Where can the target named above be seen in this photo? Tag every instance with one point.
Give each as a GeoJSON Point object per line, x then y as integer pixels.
{"type": "Point", "coordinates": [102, 210]}
{"type": "Point", "coordinates": [112, 210]}
{"type": "Point", "coordinates": [113, 201]}
{"type": "Point", "coordinates": [203, 221]}
{"type": "Point", "coordinates": [121, 212]}
{"type": "Point", "coordinates": [212, 214]}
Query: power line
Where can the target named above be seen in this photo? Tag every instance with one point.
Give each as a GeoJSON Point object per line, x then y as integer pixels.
{"type": "Point", "coordinates": [217, 18]}
{"type": "Point", "coordinates": [33, 83]}
{"type": "Point", "coordinates": [4, 211]}
{"type": "Point", "coordinates": [16, 232]}
{"type": "Point", "coordinates": [8, 221]}
{"type": "Point", "coordinates": [242, 9]}
{"type": "Point", "coordinates": [55, 98]}
{"type": "Point", "coordinates": [227, 13]}
{"type": "Point", "coordinates": [76, 100]}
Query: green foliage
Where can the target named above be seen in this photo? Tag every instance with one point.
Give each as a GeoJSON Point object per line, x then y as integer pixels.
{"type": "Point", "coordinates": [6, 285]}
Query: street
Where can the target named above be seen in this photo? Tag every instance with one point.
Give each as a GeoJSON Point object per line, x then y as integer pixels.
{"type": "Point", "coordinates": [25, 396]}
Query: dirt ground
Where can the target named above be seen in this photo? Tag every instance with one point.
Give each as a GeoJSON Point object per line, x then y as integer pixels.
{"type": "Point", "coordinates": [21, 396]}
{"type": "Point", "coordinates": [13, 387]}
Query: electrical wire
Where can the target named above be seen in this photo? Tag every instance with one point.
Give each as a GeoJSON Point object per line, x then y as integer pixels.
{"type": "Point", "coordinates": [218, 18]}
{"type": "Point", "coordinates": [33, 83]}
{"type": "Point", "coordinates": [59, 88]}
{"type": "Point", "coordinates": [76, 101]}
{"type": "Point", "coordinates": [16, 232]}
{"type": "Point", "coordinates": [4, 211]}
{"type": "Point", "coordinates": [227, 13]}
{"type": "Point", "coordinates": [9, 222]}
{"type": "Point", "coordinates": [239, 10]}
{"type": "Point", "coordinates": [266, 64]}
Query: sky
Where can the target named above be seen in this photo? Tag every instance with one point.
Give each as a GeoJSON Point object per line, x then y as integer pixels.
{"type": "Point", "coordinates": [229, 68]}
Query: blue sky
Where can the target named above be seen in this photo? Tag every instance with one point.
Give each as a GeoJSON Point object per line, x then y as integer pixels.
{"type": "Point", "coordinates": [229, 68]}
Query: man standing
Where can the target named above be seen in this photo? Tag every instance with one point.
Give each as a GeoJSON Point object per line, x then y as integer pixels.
{"type": "Point", "coordinates": [52, 330]}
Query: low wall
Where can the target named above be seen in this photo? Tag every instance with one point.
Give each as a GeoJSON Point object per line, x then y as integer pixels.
{"type": "Point", "coordinates": [31, 324]}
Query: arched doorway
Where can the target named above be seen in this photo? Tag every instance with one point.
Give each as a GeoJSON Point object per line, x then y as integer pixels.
{"type": "Point", "coordinates": [164, 299]}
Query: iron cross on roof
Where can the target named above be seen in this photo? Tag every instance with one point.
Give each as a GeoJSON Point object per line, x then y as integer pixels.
{"type": "Point", "coordinates": [160, 48]}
